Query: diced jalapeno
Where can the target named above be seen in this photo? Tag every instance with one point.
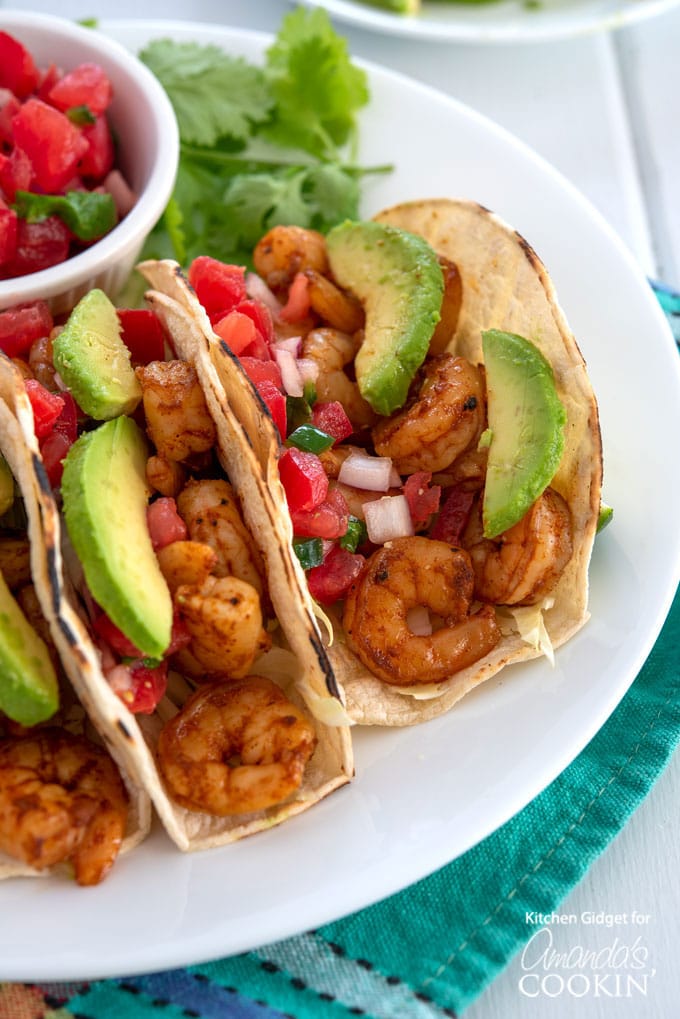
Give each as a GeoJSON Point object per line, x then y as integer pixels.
{"type": "Point", "coordinates": [355, 534]}
{"type": "Point", "coordinates": [309, 551]}
{"type": "Point", "coordinates": [310, 438]}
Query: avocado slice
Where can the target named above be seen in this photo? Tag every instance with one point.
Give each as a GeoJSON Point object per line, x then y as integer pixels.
{"type": "Point", "coordinates": [93, 361]}
{"type": "Point", "coordinates": [105, 497]}
{"type": "Point", "coordinates": [526, 423]}
{"type": "Point", "coordinates": [397, 277]}
{"type": "Point", "coordinates": [29, 691]}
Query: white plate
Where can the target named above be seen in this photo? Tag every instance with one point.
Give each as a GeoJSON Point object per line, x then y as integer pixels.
{"type": "Point", "coordinates": [422, 795]}
{"type": "Point", "coordinates": [501, 21]}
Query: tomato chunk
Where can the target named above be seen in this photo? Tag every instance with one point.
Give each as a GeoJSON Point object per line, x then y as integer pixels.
{"type": "Point", "coordinates": [331, 580]}
{"type": "Point", "coordinates": [143, 334]}
{"type": "Point", "coordinates": [275, 403]}
{"type": "Point", "coordinates": [46, 407]}
{"type": "Point", "coordinates": [147, 686]}
{"type": "Point", "coordinates": [219, 287]}
{"type": "Point", "coordinates": [453, 516]}
{"type": "Point", "coordinates": [303, 478]}
{"type": "Point", "coordinates": [39, 245]}
{"type": "Point", "coordinates": [164, 522]}
{"type": "Point", "coordinates": [99, 155]}
{"type": "Point", "coordinates": [9, 231]}
{"type": "Point", "coordinates": [258, 370]}
{"type": "Point", "coordinates": [261, 316]}
{"type": "Point", "coordinates": [114, 637]}
{"type": "Point", "coordinates": [328, 520]}
{"type": "Point", "coordinates": [22, 325]}
{"type": "Point", "coordinates": [53, 144]}
{"type": "Point", "coordinates": [237, 330]}
{"type": "Point", "coordinates": [332, 419]}
{"type": "Point", "coordinates": [86, 85]}
{"type": "Point", "coordinates": [16, 173]}
{"type": "Point", "coordinates": [422, 497]}
{"type": "Point", "coordinates": [17, 67]}
{"type": "Point", "coordinates": [297, 306]}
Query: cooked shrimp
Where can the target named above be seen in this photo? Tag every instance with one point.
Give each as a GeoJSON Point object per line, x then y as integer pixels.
{"type": "Point", "coordinates": [287, 250]}
{"type": "Point", "coordinates": [15, 561]}
{"type": "Point", "coordinates": [523, 564]}
{"type": "Point", "coordinates": [61, 798]}
{"type": "Point", "coordinates": [235, 747]}
{"type": "Point", "coordinates": [186, 562]}
{"type": "Point", "coordinates": [165, 476]}
{"type": "Point", "coordinates": [210, 510]}
{"type": "Point", "coordinates": [446, 418]}
{"type": "Point", "coordinates": [467, 471]}
{"type": "Point", "coordinates": [177, 416]}
{"type": "Point", "coordinates": [335, 307]}
{"type": "Point", "coordinates": [333, 351]}
{"type": "Point", "coordinates": [224, 618]}
{"type": "Point", "coordinates": [450, 309]}
{"type": "Point", "coordinates": [401, 575]}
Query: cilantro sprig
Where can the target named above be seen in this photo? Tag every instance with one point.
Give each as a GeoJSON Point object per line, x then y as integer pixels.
{"type": "Point", "coordinates": [263, 145]}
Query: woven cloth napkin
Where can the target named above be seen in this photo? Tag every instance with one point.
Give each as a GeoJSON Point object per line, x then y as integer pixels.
{"type": "Point", "coordinates": [430, 950]}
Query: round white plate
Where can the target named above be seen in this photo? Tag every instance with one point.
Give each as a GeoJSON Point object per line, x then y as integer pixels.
{"type": "Point", "coordinates": [422, 795]}
{"type": "Point", "coordinates": [502, 21]}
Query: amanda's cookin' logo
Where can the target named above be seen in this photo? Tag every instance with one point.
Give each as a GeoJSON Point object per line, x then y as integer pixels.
{"type": "Point", "coordinates": [619, 969]}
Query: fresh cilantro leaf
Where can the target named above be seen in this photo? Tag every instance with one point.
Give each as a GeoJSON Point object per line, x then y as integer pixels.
{"type": "Point", "coordinates": [87, 214]}
{"type": "Point", "coordinates": [81, 115]}
{"type": "Point", "coordinates": [332, 194]}
{"type": "Point", "coordinates": [318, 91]}
{"type": "Point", "coordinates": [214, 95]}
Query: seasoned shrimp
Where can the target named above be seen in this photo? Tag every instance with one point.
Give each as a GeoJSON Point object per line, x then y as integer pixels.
{"type": "Point", "coordinates": [235, 747]}
{"type": "Point", "coordinates": [186, 562]}
{"type": "Point", "coordinates": [450, 309]}
{"type": "Point", "coordinates": [61, 798]}
{"type": "Point", "coordinates": [287, 250]}
{"type": "Point", "coordinates": [165, 476]}
{"type": "Point", "coordinates": [177, 416]}
{"type": "Point", "coordinates": [210, 511]}
{"type": "Point", "coordinates": [400, 576]}
{"type": "Point", "coordinates": [15, 560]}
{"type": "Point", "coordinates": [446, 418]}
{"type": "Point", "coordinates": [333, 350]}
{"type": "Point", "coordinates": [224, 618]}
{"type": "Point", "coordinates": [339, 310]}
{"type": "Point", "coordinates": [523, 564]}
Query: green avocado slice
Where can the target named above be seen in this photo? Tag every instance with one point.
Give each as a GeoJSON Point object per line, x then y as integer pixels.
{"type": "Point", "coordinates": [29, 691]}
{"type": "Point", "coordinates": [105, 498]}
{"type": "Point", "coordinates": [397, 277]}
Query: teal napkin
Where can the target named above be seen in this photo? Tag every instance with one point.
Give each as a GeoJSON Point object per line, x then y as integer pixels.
{"type": "Point", "coordinates": [430, 950]}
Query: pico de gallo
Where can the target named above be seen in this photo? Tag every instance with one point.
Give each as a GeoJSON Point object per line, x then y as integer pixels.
{"type": "Point", "coordinates": [344, 499]}
{"type": "Point", "coordinates": [60, 189]}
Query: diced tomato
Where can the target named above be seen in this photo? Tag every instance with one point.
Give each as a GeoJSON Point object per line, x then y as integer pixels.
{"type": "Point", "coordinates": [332, 579]}
{"type": "Point", "coordinates": [39, 245]}
{"type": "Point", "coordinates": [297, 306]}
{"type": "Point", "coordinates": [275, 402]}
{"type": "Point", "coordinates": [67, 422]}
{"type": "Point", "coordinates": [53, 450]}
{"type": "Point", "coordinates": [422, 497]}
{"type": "Point", "coordinates": [49, 78]}
{"type": "Point", "coordinates": [53, 144]}
{"type": "Point", "coordinates": [261, 316]}
{"type": "Point", "coordinates": [16, 173]}
{"type": "Point", "coordinates": [99, 155]}
{"type": "Point", "coordinates": [179, 636]}
{"type": "Point", "coordinates": [143, 334]}
{"type": "Point", "coordinates": [258, 370]}
{"type": "Point", "coordinates": [219, 287]}
{"type": "Point", "coordinates": [9, 231]}
{"type": "Point", "coordinates": [332, 419]}
{"type": "Point", "coordinates": [10, 107]}
{"type": "Point", "coordinates": [328, 520]}
{"type": "Point", "coordinates": [164, 522]}
{"type": "Point", "coordinates": [46, 407]}
{"type": "Point", "coordinates": [453, 516]}
{"type": "Point", "coordinates": [147, 687]}
{"type": "Point", "coordinates": [17, 68]}
{"type": "Point", "coordinates": [237, 330]}
{"type": "Point", "coordinates": [86, 85]}
{"type": "Point", "coordinates": [303, 478]}
{"type": "Point", "coordinates": [114, 637]}
{"type": "Point", "coordinates": [20, 326]}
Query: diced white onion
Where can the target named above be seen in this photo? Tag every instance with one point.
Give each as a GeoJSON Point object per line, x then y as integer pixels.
{"type": "Point", "coordinates": [292, 344]}
{"type": "Point", "coordinates": [290, 374]}
{"type": "Point", "coordinates": [388, 518]}
{"type": "Point", "coordinates": [372, 473]}
{"type": "Point", "coordinates": [418, 621]}
{"type": "Point", "coordinates": [121, 192]}
{"type": "Point", "coordinates": [395, 478]}
{"type": "Point", "coordinates": [308, 368]}
{"type": "Point", "coordinates": [259, 291]}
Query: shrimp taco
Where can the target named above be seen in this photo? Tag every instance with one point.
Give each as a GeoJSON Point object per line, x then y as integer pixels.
{"type": "Point", "coordinates": [439, 478]}
{"type": "Point", "coordinates": [194, 685]}
{"type": "Point", "coordinates": [65, 801]}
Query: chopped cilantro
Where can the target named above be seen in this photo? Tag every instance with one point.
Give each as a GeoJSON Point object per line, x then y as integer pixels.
{"type": "Point", "coordinates": [87, 214]}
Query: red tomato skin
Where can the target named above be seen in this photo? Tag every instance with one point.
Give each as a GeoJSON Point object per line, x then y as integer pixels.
{"type": "Point", "coordinates": [22, 325]}
{"type": "Point", "coordinates": [148, 688]}
{"type": "Point", "coordinates": [17, 68]}
{"type": "Point", "coordinates": [114, 637]}
{"type": "Point", "coordinates": [48, 80]}
{"type": "Point", "coordinates": [86, 85]}
{"type": "Point", "coordinates": [329, 520]}
{"type": "Point", "coordinates": [219, 287]}
{"type": "Point", "coordinates": [53, 450]}
{"type": "Point", "coordinates": [164, 522]}
{"type": "Point", "coordinates": [258, 370]}
{"type": "Point", "coordinates": [423, 498]}
{"type": "Point", "coordinates": [236, 330]}
{"type": "Point", "coordinates": [453, 516]}
{"type": "Point", "coordinates": [99, 156]}
{"type": "Point", "coordinates": [46, 407]}
{"type": "Point", "coordinates": [275, 403]}
{"type": "Point", "coordinates": [297, 306]}
{"type": "Point", "coordinates": [303, 478]}
{"type": "Point", "coordinates": [16, 173]}
{"type": "Point", "coordinates": [332, 419]}
{"type": "Point", "coordinates": [39, 245]}
{"type": "Point", "coordinates": [7, 114]}
{"type": "Point", "coordinates": [331, 580]}
{"type": "Point", "coordinates": [262, 317]}
{"type": "Point", "coordinates": [53, 144]}
{"type": "Point", "coordinates": [9, 232]}
{"type": "Point", "coordinates": [143, 334]}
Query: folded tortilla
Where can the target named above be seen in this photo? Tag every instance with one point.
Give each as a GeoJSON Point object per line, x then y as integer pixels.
{"type": "Point", "coordinates": [78, 658]}
{"type": "Point", "coordinates": [506, 287]}
{"type": "Point", "coordinates": [295, 665]}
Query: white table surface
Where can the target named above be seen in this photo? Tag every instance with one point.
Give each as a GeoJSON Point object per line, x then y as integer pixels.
{"type": "Point", "coordinates": [604, 109]}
